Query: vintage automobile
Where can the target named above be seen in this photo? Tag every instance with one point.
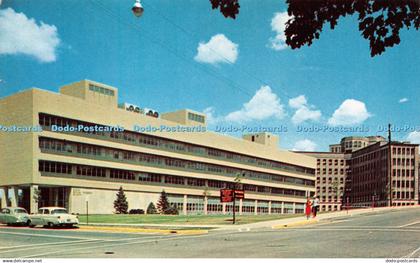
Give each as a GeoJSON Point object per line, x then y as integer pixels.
{"type": "Point", "coordinates": [52, 216]}
{"type": "Point", "coordinates": [14, 216]}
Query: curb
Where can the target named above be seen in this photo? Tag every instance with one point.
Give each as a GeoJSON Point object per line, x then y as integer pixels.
{"type": "Point", "coordinates": [298, 223]}
{"type": "Point", "coordinates": [134, 230]}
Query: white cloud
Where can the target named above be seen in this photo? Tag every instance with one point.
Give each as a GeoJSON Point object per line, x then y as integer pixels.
{"type": "Point", "coordinates": [303, 110]}
{"type": "Point", "coordinates": [211, 117]}
{"type": "Point", "coordinates": [219, 49]}
{"type": "Point", "coordinates": [350, 112]}
{"type": "Point", "coordinates": [264, 104]}
{"type": "Point", "coordinates": [305, 145]}
{"type": "Point", "coordinates": [278, 25]}
{"type": "Point", "coordinates": [414, 137]}
{"type": "Point", "coordinates": [22, 35]}
{"type": "Point", "coordinates": [403, 100]}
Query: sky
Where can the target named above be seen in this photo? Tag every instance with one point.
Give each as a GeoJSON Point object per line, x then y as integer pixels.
{"type": "Point", "coordinates": [182, 54]}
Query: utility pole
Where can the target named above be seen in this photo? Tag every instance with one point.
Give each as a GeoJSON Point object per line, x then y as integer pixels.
{"type": "Point", "coordinates": [389, 165]}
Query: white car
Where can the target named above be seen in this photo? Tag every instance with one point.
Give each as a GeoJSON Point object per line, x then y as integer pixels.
{"type": "Point", "coordinates": [14, 216]}
{"type": "Point", "coordinates": [53, 216]}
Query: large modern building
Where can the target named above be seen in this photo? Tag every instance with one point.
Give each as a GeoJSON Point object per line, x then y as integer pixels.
{"type": "Point", "coordinates": [358, 172]}
{"type": "Point", "coordinates": [80, 145]}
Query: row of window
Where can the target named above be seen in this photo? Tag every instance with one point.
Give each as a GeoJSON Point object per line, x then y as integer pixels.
{"type": "Point", "coordinates": [101, 90]}
{"type": "Point", "coordinates": [155, 160]}
{"type": "Point", "coordinates": [47, 120]}
{"type": "Point", "coordinates": [91, 171]}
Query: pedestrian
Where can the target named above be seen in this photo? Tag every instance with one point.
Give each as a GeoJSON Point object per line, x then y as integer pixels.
{"type": "Point", "coordinates": [315, 206]}
{"type": "Point", "coordinates": [308, 208]}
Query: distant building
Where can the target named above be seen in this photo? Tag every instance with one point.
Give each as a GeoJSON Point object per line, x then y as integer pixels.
{"type": "Point", "coordinates": [370, 180]}
{"type": "Point", "coordinates": [356, 172]}
{"type": "Point", "coordinates": [62, 166]}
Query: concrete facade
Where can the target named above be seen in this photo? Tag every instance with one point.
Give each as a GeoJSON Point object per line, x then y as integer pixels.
{"type": "Point", "coordinates": [68, 168]}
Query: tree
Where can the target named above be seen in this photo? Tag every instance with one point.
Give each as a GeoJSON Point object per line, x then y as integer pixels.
{"type": "Point", "coordinates": [163, 203]}
{"type": "Point", "coordinates": [379, 21]}
{"type": "Point", "coordinates": [229, 8]}
{"type": "Point", "coordinates": [151, 209]}
{"type": "Point", "coordinates": [121, 204]}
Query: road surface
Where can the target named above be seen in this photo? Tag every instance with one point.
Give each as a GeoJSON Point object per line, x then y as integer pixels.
{"type": "Point", "coordinates": [392, 234]}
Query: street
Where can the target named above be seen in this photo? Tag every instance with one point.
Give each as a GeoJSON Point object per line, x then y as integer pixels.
{"type": "Point", "coordinates": [391, 234]}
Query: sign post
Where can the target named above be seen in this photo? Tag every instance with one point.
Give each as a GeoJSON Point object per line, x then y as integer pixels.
{"type": "Point", "coordinates": [230, 195]}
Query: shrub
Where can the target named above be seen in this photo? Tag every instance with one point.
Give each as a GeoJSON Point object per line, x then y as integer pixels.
{"type": "Point", "coordinates": [151, 209]}
{"type": "Point", "coordinates": [171, 211]}
{"type": "Point", "coordinates": [136, 212]}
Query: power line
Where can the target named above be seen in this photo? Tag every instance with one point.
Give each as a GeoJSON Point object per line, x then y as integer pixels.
{"type": "Point", "coordinates": [193, 37]}
{"type": "Point", "coordinates": [137, 28]}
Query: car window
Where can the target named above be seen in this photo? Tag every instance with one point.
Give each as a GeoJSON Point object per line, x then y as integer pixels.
{"type": "Point", "coordinates": [40, 211]}
{"type": "Point", "coordinates": [46, 212]}
{"type": "Point", "coordinates": [20, 211]}
{"type": "Point", "coordinates": [59, 211]}
{"type": "Point", "coordinates": [5, 211]}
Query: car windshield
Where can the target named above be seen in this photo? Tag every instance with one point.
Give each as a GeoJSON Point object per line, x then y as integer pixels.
{"type": "Point", "coordinates": [59, 211]}
{"type": "Point", "coordinates": [20, 211]}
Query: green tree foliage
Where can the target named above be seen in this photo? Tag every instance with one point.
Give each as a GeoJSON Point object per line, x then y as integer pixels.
{"type": "Point", "coordinates": [163, 203]}
{"type": "Point", "coordinates": [380, 22]}
{"type": "Point", "coordinates": [151, 209]}
{"type": "Point", "coordinates": [121, 204]}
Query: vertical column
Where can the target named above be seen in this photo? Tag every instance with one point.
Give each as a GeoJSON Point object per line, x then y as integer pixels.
{"type": "Point", "coordinates": [184, 207]}
{"type": "Point", "coordinates": [282, 207]}
{"type": "Point", "coordinates": [269, 207]}
{"type": "Point", "coordinates": [205, 204]}
{"type": "Point", "coordinates": [224, 208]}
{"type": "Point", "coordinates": [256, 207]}
{"type": "Point", "coordinates": [3, 194]}
{"type": "Point", "coordinates": [13, 196]}
{"type": "Point", "coordinates": [56, 196]}
{"type": "Point", "coordinates": [294, 208]}
{"type": "Point", "coordinates": [33, 198]}
{"type": "Point", "coordinates": [50, 196]}
{"type": "Point", "coordinates": [69, 196]}
{"type": "Point", "coordinates": [240, 206]}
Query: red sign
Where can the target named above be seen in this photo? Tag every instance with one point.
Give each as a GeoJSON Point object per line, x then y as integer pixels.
{"type": "Point", "coordinates": [239, 194]}
{"type": "Point", "coordinates": [226, 195]}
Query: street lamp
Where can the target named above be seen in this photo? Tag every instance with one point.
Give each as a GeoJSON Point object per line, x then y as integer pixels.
{"type": "Point", "coordinates": [137, 9]}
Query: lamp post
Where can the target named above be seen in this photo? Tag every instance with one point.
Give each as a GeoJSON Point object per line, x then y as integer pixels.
{"type": "Point", "coordinates": [235, 186]}
{"type": "Point", "coordinates": [137, 9]}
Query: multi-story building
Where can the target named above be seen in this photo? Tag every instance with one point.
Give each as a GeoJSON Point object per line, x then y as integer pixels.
{"type": "Point", "coordinates": [330, 174]}
{"type": "Point", "coordinates": [374, 167]}
{"type": "Point", "coordinates": [80, 145]}
{"type": "Point", "coordinates": [353, 143]}
{"type": "Point", "coordinates": [357, 172]}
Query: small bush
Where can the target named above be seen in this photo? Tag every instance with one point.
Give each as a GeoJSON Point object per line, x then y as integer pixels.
{"type": "Point", "coordinates": [171, 211]}
{"type": "Point", "coordinates": [151, 209]}
{"type": "Point", "coordinates": [136, 212]}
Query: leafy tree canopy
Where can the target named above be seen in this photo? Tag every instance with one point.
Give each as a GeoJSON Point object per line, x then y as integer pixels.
{"type": "Point", "coordinates": [380, 21]}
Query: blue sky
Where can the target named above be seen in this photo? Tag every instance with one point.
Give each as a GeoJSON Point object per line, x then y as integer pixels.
{"type": "Point", "coordinates": [155, 63]}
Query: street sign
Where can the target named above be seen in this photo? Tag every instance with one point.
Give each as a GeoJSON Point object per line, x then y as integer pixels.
{"type": "Point", "coordinates": [226, 195]}
{"type": "Point", "coordinates": [239, 194]}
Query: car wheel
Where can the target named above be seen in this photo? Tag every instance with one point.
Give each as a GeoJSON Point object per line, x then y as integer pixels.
{"type": "Point", "coordinates": [50, 224]}
{"type": "Point", "coordinates": [29, 223]}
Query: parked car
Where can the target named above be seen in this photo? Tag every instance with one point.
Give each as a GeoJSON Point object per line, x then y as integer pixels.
{"type": "Point", "coordinates": [14, 216]}
{"type": "Point", "coordinates": [53, 216]}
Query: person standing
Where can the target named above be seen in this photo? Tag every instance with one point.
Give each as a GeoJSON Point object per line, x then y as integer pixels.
{"type": "Point", "coordinates": [308, 208]}
{"type": "Point", "coordinates": [315, 206]}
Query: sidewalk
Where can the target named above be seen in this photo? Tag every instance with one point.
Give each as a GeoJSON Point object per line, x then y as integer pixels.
{"type": "Point", "coordinates": [281, 223]}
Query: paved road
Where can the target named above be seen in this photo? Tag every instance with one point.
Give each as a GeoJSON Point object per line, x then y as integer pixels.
{"type": "Point", "coordinates": [391, 234]}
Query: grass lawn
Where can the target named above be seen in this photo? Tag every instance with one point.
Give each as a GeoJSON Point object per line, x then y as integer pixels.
{"type": "Point", "coordinates": [182, 219]}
